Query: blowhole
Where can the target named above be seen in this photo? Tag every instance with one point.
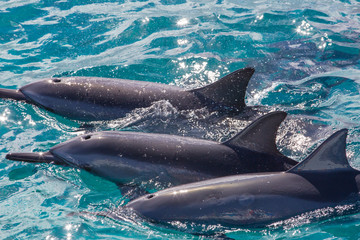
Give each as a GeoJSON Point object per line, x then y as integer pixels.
{"type": "Point", "coordinates": [150, 196]}
{"type": "Point", "coordinates": [56, 80]}
{"type": "Point", "coordinates": [87, 137]}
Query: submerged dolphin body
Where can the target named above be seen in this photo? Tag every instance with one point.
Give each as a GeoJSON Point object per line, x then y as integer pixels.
{"type": "Point", "coordinates": [135, 158]}
{"type": "Point", "coordinates": [92, 98]}
{"type": "Point", "coordinates": [324, 179]}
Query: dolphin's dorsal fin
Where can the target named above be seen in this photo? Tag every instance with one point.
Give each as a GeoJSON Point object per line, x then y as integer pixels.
{"type": "Point", "coordinates": [229, 91]}
{"type": "Point", "coordinates": [330, 155]}
{"type": "Point", "coordinates": [260, 135]}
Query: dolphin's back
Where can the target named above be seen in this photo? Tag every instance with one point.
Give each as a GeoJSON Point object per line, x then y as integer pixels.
{"type": "Point", "coordinates": [149, 154]}
{"type": "Point", "coordinates": [93, 98]}
{"type": "Point", "coordinates": [240, 200]}
{"type": "Point", "coordinates": [324, 179]}
{"type": "Point", "coordinates": [122, 156]}
{"type": "Point", "coordinates": [251, 199]}
{"type": "Point", "coordinates": [89, 98]}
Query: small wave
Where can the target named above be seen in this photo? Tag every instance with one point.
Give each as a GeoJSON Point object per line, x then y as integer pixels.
{"type": "Point", "coordinates": [316, 215]}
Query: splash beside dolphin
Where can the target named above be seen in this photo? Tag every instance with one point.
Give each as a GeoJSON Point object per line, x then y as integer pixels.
{"type": "Point", "coordinates": [324, 179]}
{"type": "Point", "coordinates": [129, 157]}
{"type": "Point", "coordinates": [93, 98]}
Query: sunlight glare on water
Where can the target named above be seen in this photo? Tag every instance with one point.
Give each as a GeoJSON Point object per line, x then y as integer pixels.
{"type": "Point", "coordinates": [306, 55]}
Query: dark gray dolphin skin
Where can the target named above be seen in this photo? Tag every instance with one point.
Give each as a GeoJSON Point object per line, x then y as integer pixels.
{"type": "Point", "coordinates": [130, 157]}
{"type": "Point", "coordinates": [93, 98]}
{"type": "Point", "coordinates": [324, 179]}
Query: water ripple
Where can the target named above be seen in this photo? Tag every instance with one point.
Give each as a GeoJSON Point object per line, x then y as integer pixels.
{"type": "Point", "coordinates": [307, 59]}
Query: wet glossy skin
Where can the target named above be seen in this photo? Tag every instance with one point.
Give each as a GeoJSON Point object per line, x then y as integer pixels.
{"type": "Point", "coordinates": [130, 157]}
{"type": "Point", "coordinates": [103, 98]}
{"type": "Point", "coordinates": [126, 157]}
{"type": "Point", "coordinates": [253, 199]}
{"type": "Point", "coordinates": [324, 179]}
{"type": "Point", "coordinates": [93, 98]}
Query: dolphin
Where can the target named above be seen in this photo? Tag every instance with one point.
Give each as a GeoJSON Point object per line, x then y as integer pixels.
{"type": "Point", "coordinates": [323, 179]}
{"type": "Point", "coordinates": [94, 98]}
{"type": "Point", "coordinates": [132, 158]}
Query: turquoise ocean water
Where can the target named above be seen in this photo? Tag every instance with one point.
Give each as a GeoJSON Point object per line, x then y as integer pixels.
{"type": "Point", "coordinates": [306, 55]}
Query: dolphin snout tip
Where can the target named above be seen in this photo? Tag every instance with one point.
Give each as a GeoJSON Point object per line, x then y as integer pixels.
{"type": "Point", "coordinates": [41, 157]}
{"type": "Point", "coordinates": [18, 156]}
{"type": "Point", "coordinates": [8, 156]}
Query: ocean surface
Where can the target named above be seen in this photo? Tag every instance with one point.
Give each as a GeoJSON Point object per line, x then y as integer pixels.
{"type": "Point", "coordinates": [307, 60]}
